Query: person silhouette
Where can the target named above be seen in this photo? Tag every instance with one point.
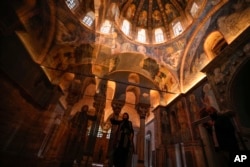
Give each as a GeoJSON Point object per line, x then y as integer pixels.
{"type": "Point", "coordinates": [123, 140]}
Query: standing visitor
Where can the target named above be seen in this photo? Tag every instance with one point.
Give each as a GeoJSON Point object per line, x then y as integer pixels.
{"type": "Point", "coordinates": [123, 140]}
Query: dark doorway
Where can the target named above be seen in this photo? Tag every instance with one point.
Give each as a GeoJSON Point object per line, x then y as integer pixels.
{"type": "Point", "coordinates": [240, 98]}
{"type": "Point", "coordinates": [240, 92]}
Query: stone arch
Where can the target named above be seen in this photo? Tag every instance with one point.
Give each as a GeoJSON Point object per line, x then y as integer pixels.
{"type": "Point", "coordinates": [86, 95]}
{"type": "Point", "coordinates": [132, 97]}
{"type": "Point", "coordinates": [214, 44]}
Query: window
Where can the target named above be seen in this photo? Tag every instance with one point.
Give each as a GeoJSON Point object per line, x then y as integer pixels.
{"type": "Point", "coordinates": [89, 128]}
{"type": "Point", "coordinates": [89, 19]}
{"type": "Point", "coordinates": [159, 35]}
{"type": "Point", "coordinates": [141, 35]}
{"type": "Point", "coordinates": [194, 9]}
{"type": "Point", "coordinates": [126, 27]}
{"type": "Point", "coordinates": [106, 27]}
{"type": "Point", "coordinates": [177, 29]}
{"type": "Point", "coordinates": [108, 134]}
{"type": "Point", "coordinates": [71, 3]}
{"type": "Point", "coordinates": [99, 133]}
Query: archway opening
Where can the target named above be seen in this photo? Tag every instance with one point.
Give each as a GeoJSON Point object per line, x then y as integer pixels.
{"type": "Point", "coordinates": [240, 95]}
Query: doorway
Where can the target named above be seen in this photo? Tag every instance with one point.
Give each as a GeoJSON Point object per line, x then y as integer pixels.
{"type": "Point", "coordinates": [240, 99]}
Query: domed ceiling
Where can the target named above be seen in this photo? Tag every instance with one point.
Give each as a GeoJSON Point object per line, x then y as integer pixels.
{"type": "Point", "coordinates": [142, 21]}
{"type": "Point", "coordinates": [161, 42]}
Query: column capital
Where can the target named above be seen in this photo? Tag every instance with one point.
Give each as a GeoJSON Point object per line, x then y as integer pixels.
{"type": "Point", "coordinates": [99, 101]}
{"type": "Point", "coordinates": [142, 109]}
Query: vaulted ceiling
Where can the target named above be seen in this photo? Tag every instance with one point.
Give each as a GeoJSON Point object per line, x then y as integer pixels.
{"type": "Point", "coordinates": [158, 46]}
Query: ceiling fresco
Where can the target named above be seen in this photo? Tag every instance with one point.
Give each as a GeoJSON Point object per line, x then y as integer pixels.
{"type": "Point", "coordinates": [162, 41]}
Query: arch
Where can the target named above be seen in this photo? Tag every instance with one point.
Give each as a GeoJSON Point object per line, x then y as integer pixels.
{"type": "Point", "coordinates": [86, 96]}
{"type": "Point", "coordinates": [111, 85]}
{"type": "Point", "coordinates": [214, 44]}
{"type": "Point", "coordinates": [133, 115]}
{"type": "Point", "coordinates": [89, 87]}
{"type": "Point", "coordinates": [110, 93]}
{"type": "Point", "coordinates": [239, 94]}
{"type": "Point", "coordinates": [134, 78]}
{"type": "Point", "coordinates": [132, 92]}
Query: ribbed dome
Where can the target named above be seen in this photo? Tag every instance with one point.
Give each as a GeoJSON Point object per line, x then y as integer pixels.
{"type": "Point", "coordinates": [144, 21]}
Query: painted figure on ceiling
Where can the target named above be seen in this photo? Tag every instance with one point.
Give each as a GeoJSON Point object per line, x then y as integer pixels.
{"type": "Point", "coordinates": [157, 21]}
{"type": "Point", "coordinates": [171, 58]}
{"type": "Point", "coordinates": [113, 12]}
{"type": "Point", "coordinates": [161, 80]}
{"type": "Point", "coordinates": [170, 11]}
{"type": "Point", "coordinates": [143, 18]}
{"type": "Point", "coordinates": [130, 12]}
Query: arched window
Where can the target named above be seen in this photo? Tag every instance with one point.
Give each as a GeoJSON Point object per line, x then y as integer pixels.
{"type": "Point", "coordinates": [108, 134]}
{"type": "Point", "coordinates": [106, 27]}
{"type": "Point", "coordinates": [126, 27]}
{"type": "Point", "coordinates": [141, 35]}
{"type": "Point", "coordinates": [89, 19]}
{"type": "Point", "coordinates": [194, 9]}
{"type": "Point", "coordinates": [214, 44]}
{"type": "Point", "coordinates": [71, 3]}
{"type": "Point", "coordinates": [159, 35]}
{"type": "Point", "coordinates": [177, 28]}
{"type": "Point", "coordinates": [99, 133]}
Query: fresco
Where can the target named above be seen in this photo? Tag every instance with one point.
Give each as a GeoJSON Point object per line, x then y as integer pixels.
{"type": "Point", "coordinates": [237, 21]}
{"type": "Point", "coordinates": [70, 30]}
{"type": "Point", "coordinates": [199, 99]}
{"type": "Point", "coordinates": [38, 31]}
{"type": "Point", "coordinates": [178, 118]}
{"type": "Point", "coordinates": [163, 62]}
{"type": "Point", "coordinates": [168, 55]}
{"type": "Point", "coordinates": [176, 122]}
{"type": "Point", "coordinates": [155, 59]}
{"type": "Point", "coordinates": [195, 59]}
